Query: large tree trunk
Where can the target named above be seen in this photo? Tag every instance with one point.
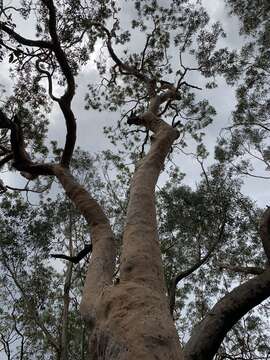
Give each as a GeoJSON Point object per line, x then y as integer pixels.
{"type": "Point", "coordinates": [131, 319]}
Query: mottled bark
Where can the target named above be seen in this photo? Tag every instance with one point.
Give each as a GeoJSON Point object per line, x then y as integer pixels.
{"type": "Point", "coordinates": [210, 332]}
{"type": "Point", "coordinates": [140, 243]}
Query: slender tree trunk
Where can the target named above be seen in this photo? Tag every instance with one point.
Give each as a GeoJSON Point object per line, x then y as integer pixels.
{"type": "Point", "coordinates": [66, 297]}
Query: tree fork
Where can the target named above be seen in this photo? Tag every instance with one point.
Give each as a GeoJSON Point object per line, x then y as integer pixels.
{"type": "Point", "coordinates": [133, 317]}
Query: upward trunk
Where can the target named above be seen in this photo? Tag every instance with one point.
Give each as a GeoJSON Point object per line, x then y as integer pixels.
{"type": "Point", "coordinates": [129, 320]}
{"type": "Point", "coordinates": [132, 317]}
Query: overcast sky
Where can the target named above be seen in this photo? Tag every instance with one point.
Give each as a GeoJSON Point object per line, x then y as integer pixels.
{"type": "Point", "coordinates": [90, 123]}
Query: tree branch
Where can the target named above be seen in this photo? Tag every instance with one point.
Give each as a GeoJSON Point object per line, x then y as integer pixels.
{"type": "Point", "coordinates": [253, 270]}
{"type": "Point", "coordinates": [141, 260]}
{"type": "Point", "coordinates": [75, 259]}
{"type": "Point", "coordinates": [6, 159]}
{"type": "Point", "coordinates": [180, 276]}
{"type": "Point", "coordinates": [22, 161]}
{"type": "Point", "coordinates": [65, 100]}
{"type": "Point", "coordinates": [59, 53]}
{"type": "Point", "coordinates": [49, 78]}
{"type": "Point", "coordinates": [210, 332]}
{"type": "Point", "coordinates": [128, 70]}
{"type": "Point", "coordinates": [24, 41]}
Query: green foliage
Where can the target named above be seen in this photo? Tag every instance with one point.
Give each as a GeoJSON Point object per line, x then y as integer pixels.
{"type": "Point", "coordinates": [249, 70]}
{"type": "Point", "coordinates": [190, 224]}
{"type": "Point", "coordinates": [33, 286]}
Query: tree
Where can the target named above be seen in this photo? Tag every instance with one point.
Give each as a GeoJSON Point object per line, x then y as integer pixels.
{"type": "Point", "coordinates": [131, 318]}
{"type": "Point", "coordinates": [247, 137]}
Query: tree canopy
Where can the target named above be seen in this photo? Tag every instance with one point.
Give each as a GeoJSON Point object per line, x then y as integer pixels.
{"type": "Point", "coordinates": [100, 256]}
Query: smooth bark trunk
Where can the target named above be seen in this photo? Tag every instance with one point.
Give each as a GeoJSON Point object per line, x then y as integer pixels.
{"type": "Point", "coordinates": [131, 319]}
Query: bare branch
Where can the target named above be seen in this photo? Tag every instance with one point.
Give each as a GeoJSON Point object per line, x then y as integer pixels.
{"type": "Point", "coordinates": [190, 85]}
{"type": "Point", "coordinates": [65, 100]}
{"type": "Point", "coordinates": [123, 67]}
{"type": "Point", "coordinates": [6, 159]}
{"type": "Point", "coordinates": [49, 78]}
{"type": "Point", "coordinates": [144, 51]}
{"type": "Point", "coordinates": [145, 142]}
{"type": "Point", "coordinates": [253, 270]}
{"type": "Point", "coordinates": [22, 161]}
{"type": "Point", "coordinates": [24, 41]}
{"type": "Point", "coordinates": [75, 259]}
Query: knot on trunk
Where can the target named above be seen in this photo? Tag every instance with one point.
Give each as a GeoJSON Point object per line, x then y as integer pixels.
{"type": "Point", "coordinates": [134, 120]}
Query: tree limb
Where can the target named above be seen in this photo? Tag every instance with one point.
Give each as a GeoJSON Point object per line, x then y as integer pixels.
{"type": "Point", "coordinates": [75, 259]}
{"type": "Point", "coordinates": [24, 41]}
{"type": "Point", "coordinates": [180, 276]}
{"type": "Point", "coordinates": [141, 215]}
{"type": "Point", "coordinates": [22, 161]}
{"type": "Point", "coordinates": [6, 159]}
{"type": "Point", "coordinates": [129, 70]}
{"type": "Point", "coordinates": [210, 332]}
{"type": "Point", "coordinates": [253, 270]}
{"type": "Point", "coordinates": [65, 100]}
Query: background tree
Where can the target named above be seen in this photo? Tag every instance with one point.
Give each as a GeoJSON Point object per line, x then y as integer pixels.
{"type": "Point", "coordinates": [246, 141]}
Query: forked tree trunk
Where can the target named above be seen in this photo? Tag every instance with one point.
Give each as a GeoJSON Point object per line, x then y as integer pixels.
{"type": "Point", "coordinates": [129, 320]}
